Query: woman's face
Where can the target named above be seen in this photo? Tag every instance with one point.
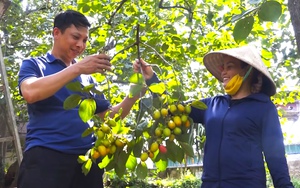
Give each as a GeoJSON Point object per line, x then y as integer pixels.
{"type": "Point", "coordinates": [231, 66]}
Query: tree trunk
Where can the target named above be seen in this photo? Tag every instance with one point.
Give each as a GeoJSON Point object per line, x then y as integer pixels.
{"type": "Point", "coordinates": [294, 8]}
{"type": "Point", "coordinates": [4, 4]}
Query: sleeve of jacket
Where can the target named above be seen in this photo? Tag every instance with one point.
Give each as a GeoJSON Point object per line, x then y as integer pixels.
{"type": "Point", "coordinates": [273, 148]}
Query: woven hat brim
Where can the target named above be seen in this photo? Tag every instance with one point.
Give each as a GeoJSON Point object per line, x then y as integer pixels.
{"type": "Point", "coordinates": [214, 60]}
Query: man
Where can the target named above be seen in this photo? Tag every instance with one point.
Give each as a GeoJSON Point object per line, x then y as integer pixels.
{"type": "Point", "coordinates": [53, 140]}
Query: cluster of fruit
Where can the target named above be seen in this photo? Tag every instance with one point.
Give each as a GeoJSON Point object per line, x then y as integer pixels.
{"type": "Point", "coordinates": [107, 142]}
{"type": "Point", "coordinates": [172, 121]}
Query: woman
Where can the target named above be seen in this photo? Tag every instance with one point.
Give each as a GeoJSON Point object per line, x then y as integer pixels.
{"type": "Point", "coordinates": [242, 127]}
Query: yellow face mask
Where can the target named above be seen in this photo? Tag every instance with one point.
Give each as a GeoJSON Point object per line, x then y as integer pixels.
{"type": "Point", "coordinates": [235, 83]}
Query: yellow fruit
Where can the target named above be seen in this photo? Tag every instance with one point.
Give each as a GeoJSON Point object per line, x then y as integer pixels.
{"type": "Point", "coordinates": [105, 142]}
{"type": "Point", "coordinates": [112, 123]}
{"type": "Point", "coordinates": [171, 137]}
{"type": "Point", "coordinates": [102, 150]}
{"type": "Point", "coordinates": [113, 149]}
{"type": "Point", "coordinates": [167, 132]}
{"type": "Point", "coordinates": [164, 112]}
{"type": "Point", "coordinates": [156, 114]}
{"type": "Point", "coordinates": [188, 109]}
{"type": "Point", "coordinates": [184, 118]}
{"type": "Point", "coordinates": [177, 131]}
{"type": "Point", "coordinates": [154, 147]}
{"type": "Point", "coordinates": [180, 107]}
{"type": "Point", "coordinates": [120, 143]}
{"type": "Point", "coordinates": [187, 124]}
{"type": "Point", "coordinates": [177, 120]}
{"type": "Point", "coordinates": [105, 128]}
{"type": "Point", "coordinates": [96, 154]}
{"type": "Point", "coordinates": [100, 134]}
{"type": "Point", "coordinates": [150, 154]}
{"type": "Point", "coordinates": [173, 108]}
{"type": "Point", "coordinates": [171, 124]}
{"type": "Point", "coordinates": [158, 131]}
{"type": "Point", "coordinates": [144, 156]}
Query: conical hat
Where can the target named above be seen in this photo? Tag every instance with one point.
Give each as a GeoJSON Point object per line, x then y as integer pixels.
{"type": "Point", "coordinates": [247, 54]}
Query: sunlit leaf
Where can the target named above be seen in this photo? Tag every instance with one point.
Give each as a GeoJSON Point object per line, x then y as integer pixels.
{"type": "Point", "coordinates": [131, 162]}
{"type": "Point", "coordinates": [270, 11]}
{"type": "Point", "coordinates": [88, 87]}
{"type": "Point", "coordinates": [199, 104]}
{"type": "Point", "coordinates": [136, 78]}
{"type": "Point", "coordinates": [87, 132]}
{"type": "Point", "coordinates": [158, 88]}
{"type": "Point", "coordinates": [82, 158]}
{"type": "Point", "coordinates": [72, 101]}
{"type": "Point", "coordinates": [87, 109]}
{"type": "Point", "coordinates": [86, 167]}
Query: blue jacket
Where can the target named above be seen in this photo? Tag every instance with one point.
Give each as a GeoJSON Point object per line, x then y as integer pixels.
{"type": "Point", "coordinates": [239, 134]}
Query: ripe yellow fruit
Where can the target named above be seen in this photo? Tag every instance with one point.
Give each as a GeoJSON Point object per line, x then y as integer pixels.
{"type": "Point", "coordinates": [164, 112]}
{"type": "Point", "coordinates": [150, 154]}
{"type": "Point", "coordinates": [171, 124]}
{"type": "Point", "coordinates": [184, 118]}
{"type": "Point", "coordinates": [173, 108]}
{"type": "Point", "coordinates": [154, 147]}
{"type": "Point", "coordinates": [166, 132]}
{"type": "Point", "coordinates": [177, 120]}
{"type": "Point", "coordinates": [181, 108]}
{"type": "Point", "coordinates": [188, 109]}
{"type": "Point", "coordinates": [187, 124]}
{"type": "Point", "coordinates": [144, 156]}
{"type": "Point", "coordinates": [102, 150]}
{"type": "Point", "coordinates": [177, 131]}
{"type": "Point", "coordinates": [156, 114]}
{"type": "Point", "coordinates": [96, 154]}
{"type": "Point", "coordinates": [158, 132]}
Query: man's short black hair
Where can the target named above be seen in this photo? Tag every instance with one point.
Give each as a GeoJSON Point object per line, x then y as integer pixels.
{"type": "Point", "coordinates": [66, 19]}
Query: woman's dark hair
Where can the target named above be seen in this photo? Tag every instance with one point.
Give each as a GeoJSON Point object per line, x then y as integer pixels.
{"type": "Point", "coordinates": [66, 19]}
{"type": "Point", "coordinates": [259, 82]}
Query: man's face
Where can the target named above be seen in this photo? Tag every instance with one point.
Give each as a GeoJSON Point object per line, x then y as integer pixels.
{"type": "Point", "coordinates": [71, 43]}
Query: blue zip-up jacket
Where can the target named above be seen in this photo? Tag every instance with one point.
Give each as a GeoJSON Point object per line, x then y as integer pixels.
{"type": "Point", "coordinates": [237, 136]}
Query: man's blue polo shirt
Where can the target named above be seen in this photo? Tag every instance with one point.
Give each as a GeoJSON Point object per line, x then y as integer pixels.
{"type": "Point", "coordinates": [50, 125]}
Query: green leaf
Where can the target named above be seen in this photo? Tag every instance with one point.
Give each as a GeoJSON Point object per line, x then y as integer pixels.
{"type": "Point", "coordinates": [243, 28]}
{"type": "Point", "coordinates": [175, 153]}
{"type": "Point", "coordinates": [270, 11]}
{"type": "Point", "coordinates": [88, 87]}
{"type": "Point", "coordinates": [72, 101]}
{"type": "Point", "coordinates": [142, 170]}
{"type": "Point", "coordinates": [87, 132]}
{"type": "Point", "coordinates": [104, 162]}
{"type": "Point", "coordinates": [85, 8]}
{"type": "Point", "coordinates": [74, 86]}
{"type": "Point", "coordinates": [138, 147]}
{"type": "Point", "coordinates": [199, 104]}
{"type": "Point", "coordinates": [131, 162]}
{"type": "Point", "coordinates": [187, 148]}
{"type": "Point", "coordinates": [87, 109]}
{"type": "Point", "coordinates": [162, 163]}
{"type": "Point", "coordinates": [135, 89]}
{"type": "Point", "coordinates": [158, 88]}
{"type": "Point", "coordinates": [82, 158]}
{"type": "Point", "coordinates": [86, 167]}
{"type": "Point", "coordinates": [136, 78]}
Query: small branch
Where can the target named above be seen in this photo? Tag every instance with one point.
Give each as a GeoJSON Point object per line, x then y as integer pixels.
{"type": "Point", "coordinates": [157, 54]}
{"type": "Point", "coordinates": [114, 13]}
{"type": "Point", "coordinates": [189, 9]}
{"type": "Point", "coordinates": [124, 49]}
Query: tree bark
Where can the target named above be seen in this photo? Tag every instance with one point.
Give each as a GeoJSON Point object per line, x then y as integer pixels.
{"type": "Point", "coordinates": [294, 9]}
{"type": "Point", "coordinates": [4, 4]}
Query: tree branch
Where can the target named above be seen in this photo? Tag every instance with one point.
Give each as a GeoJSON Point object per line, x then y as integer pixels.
{"type": "Point", "coordinates": [294, 8]}
{"type": "Point", "coordinates": [114, 13]}
{"type": "Point", "coordinates": [189, 9]}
